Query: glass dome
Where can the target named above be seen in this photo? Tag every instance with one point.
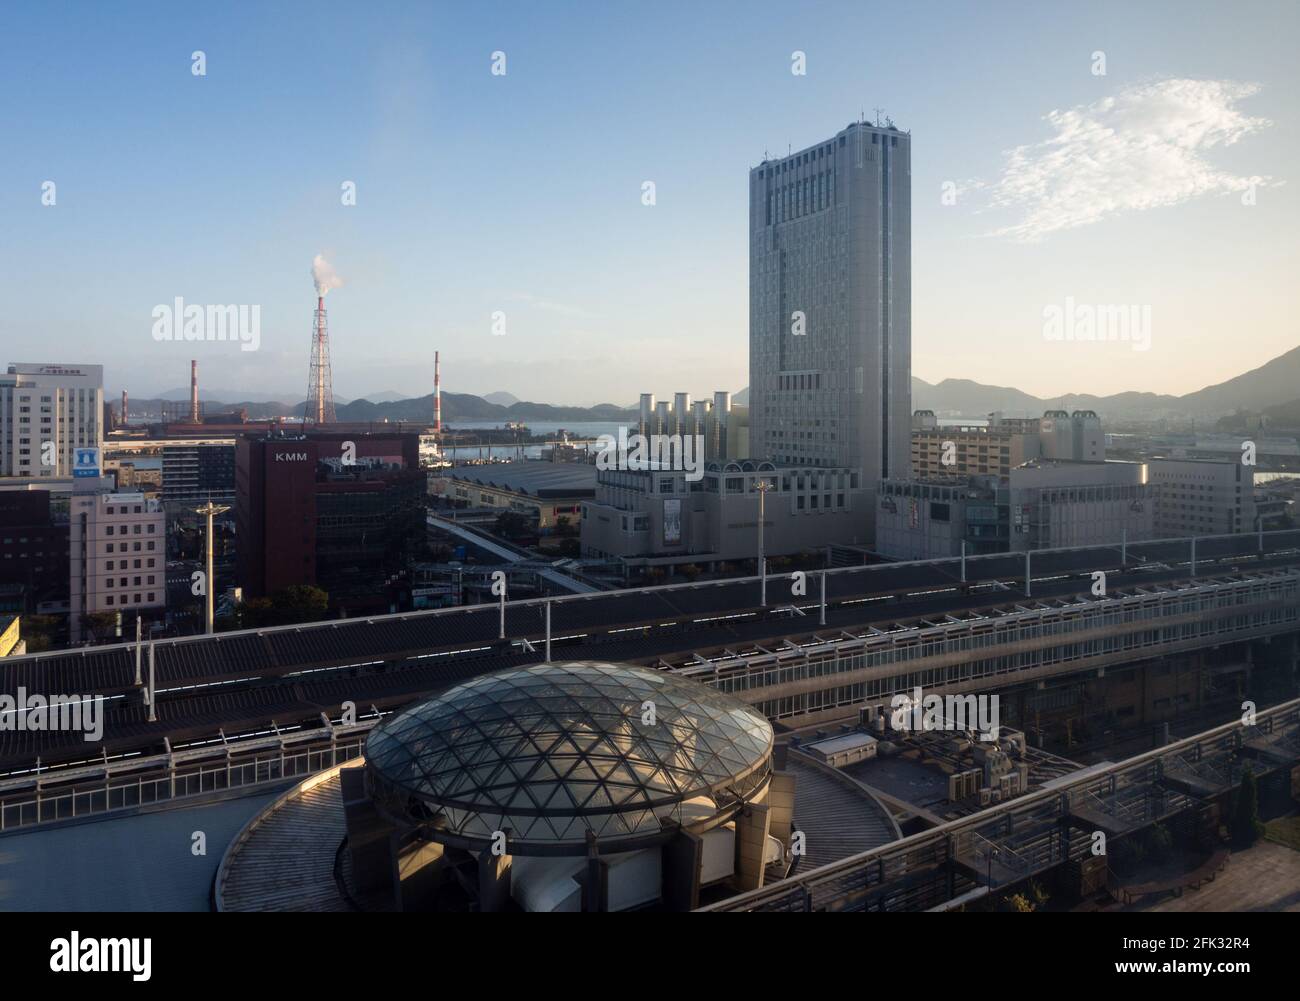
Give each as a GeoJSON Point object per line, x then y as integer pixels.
{"type": "Point", "coordinates": [553, 752]}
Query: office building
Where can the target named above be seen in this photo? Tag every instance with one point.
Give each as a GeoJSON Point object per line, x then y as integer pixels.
{"type": "Point", "coordinates": [830, 333]}
{"type": "Point", "coordinates": [117, 556]}
{"type": "Point", "coordinates": [48, 403]}
{"type": "Point", "coordinates": [34, 547]}
{"type": "Point", "coordinates": [660, 518]}
{"type": "Point", "coordinates": [1202, 497]}
{"type": "Point", "coordinates": [340, 511]}
{"type": "Point", "coordinates": [194, 473]}
{"type": "Point", "coordinates": [1042, 505]}
{"type": "Point", "coordinates": [996, 448]}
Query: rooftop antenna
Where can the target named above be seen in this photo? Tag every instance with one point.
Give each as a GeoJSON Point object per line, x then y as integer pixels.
{"type": "Point", "coordinates": [877, 111]}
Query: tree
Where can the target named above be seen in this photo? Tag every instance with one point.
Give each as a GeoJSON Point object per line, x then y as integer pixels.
{"type": "Point", "coordinates": [1246, 825]}
{"type": "Point", "coordinates": [512, 525]}
{"type": "Point", "coordinates": [42, 632]}
{"type": "Point", "coordinates": [296, 603]}
{"type": "Point", "coordinates": [564, 526]}
{"type": "Point", "coordinates": [102, 626]}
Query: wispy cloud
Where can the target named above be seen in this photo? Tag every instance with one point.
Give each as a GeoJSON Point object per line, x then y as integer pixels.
{"type": "Point", "coordinates": [563, 308]}
{"type": "Point", "coordinates": [1143, 148]}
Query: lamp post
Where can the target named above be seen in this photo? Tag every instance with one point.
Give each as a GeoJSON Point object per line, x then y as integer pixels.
{"type": "Point", "coordinates": [208, 510]}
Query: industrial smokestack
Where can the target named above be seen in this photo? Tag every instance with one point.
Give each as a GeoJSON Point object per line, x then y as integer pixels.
{"type": "Point", "coordinates": [124, 411]}
{"type": "Point", "coordinates": [194, 391]}
{"type": "Point", "coordinates": [320, 380]}
{"type": "Point", "coordinates": [437, 393]}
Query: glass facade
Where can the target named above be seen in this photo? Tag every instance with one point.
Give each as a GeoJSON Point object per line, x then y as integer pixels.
{"type": "Point", "coordinates": [550, 753]}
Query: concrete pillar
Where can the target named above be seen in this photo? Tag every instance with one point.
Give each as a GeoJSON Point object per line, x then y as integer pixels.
{"type": "Point", "coordinates": [683, 858]}
{"type": "Point", "coordinates": [494, 881]}
{"type": "Point", "coordinates": [419, 873]}
{"type": "Point", "coordinates": [780, 798]}
{"type": "Point", "coordinates": [595, 879]}
{"type": "Point", "coordinates": [370, 837]}
{"type": "Point", "coordinates": [752, 827]}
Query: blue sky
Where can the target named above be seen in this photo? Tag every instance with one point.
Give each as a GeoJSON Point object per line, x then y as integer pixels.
{"type": "Point", "coordinates": [521, 193]}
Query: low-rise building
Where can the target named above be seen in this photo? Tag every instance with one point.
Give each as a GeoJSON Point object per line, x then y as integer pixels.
{"type": "Point", "coordinates": [117, 558]}
{"type": "Point", "coordinates": [1203, 497]}
{"type": "Point", "coordinates": [1041, 505]}
{"type": "Point", "coordinates": [542, 491]}
{"type": "Point", "coordinates": [996, 448]}
{"type": "Point", "coordinates": [660, 516]}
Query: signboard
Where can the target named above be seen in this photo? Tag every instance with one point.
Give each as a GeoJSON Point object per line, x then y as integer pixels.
{"type": "Point", "coordinates": [673, 521]}
{"type": "Point", "coordinates": [85, 462]}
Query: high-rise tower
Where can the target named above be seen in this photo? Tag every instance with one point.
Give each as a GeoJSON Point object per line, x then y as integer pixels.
{"type": "Point", "coordinates": [830, 304]}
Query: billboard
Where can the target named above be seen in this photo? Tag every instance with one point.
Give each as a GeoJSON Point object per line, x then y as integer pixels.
{"type": "Point", "coordinates": [85, 462]}
{"type": "Point", "coordinates": [673, 521]}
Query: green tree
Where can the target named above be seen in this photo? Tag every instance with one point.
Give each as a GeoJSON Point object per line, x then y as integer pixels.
{"type": "Point", "coordinates": [512, 525]}
{"type": "Point", "coordinates": [296, 603]}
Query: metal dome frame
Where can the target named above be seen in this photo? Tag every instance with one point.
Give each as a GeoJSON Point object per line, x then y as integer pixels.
{"type": "Point", "coordinates": [556, 755]}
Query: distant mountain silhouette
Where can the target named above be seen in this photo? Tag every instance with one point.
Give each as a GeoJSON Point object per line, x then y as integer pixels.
{"type": "Point", "coordinates": [1274, 384]}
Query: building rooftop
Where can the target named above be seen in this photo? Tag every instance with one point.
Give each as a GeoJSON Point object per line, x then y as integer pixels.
{"type": "Point", "coordinates": [539, 479]}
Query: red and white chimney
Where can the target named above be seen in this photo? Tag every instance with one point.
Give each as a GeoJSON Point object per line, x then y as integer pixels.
{"type": "Point", "coordinates": [124, 411]}
{"type": "Point", "coordinates": [437, 393]}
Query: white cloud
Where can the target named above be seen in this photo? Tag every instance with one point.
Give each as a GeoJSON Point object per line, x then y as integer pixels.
{"type": "Point", "coordinates": [1141, 149]}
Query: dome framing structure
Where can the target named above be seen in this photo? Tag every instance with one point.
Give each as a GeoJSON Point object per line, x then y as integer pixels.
{"type": "Point", "coordinates": [561, 756]}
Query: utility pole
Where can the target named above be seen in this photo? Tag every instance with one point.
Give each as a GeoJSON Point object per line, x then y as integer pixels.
{"type": "Point", "coordinates": [137, 648]}
{"type": "Point", "coordinates": [208, 510]}
{"type": "Point", "coordinates": [153, 709]}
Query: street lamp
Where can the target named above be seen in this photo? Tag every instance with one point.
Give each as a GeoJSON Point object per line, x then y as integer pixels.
{"type": "Point", "coordinates": [209, 509]}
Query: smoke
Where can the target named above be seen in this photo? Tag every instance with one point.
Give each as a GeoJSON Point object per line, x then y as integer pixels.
{"type": "Point", "coordinates": [322, 273]}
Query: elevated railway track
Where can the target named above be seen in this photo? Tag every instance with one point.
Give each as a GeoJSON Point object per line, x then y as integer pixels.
{"type": "Point", "coordinates": [246, 685]}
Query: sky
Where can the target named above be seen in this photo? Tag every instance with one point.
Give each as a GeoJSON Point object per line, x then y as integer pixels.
{"type": "Point", "coordinates": [1122, 155]}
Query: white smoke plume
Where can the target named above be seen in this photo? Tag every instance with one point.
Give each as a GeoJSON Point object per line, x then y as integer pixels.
{"type": "Point", "coordinates": [322, 273]}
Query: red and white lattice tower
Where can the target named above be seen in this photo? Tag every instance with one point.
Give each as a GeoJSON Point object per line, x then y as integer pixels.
{"type": "Point", "coordinates": [320, 382]}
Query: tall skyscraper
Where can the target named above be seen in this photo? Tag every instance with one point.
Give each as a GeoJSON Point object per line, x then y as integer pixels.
{"type": "Point", "coordinates": [47, 411]}
{"type": "Point", "coordinates": [830, 304]}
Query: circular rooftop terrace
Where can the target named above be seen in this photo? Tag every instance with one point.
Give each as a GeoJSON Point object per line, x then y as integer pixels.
{"type": "Point", "coordinates": [554, 753]}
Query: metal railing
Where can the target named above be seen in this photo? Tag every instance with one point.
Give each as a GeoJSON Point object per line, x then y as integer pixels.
{"type": "Point", "coordinates": [192, 775]}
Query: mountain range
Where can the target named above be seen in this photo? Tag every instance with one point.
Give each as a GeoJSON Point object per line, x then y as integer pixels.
{"type": "Point", "coordinates": [1273, 388]}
